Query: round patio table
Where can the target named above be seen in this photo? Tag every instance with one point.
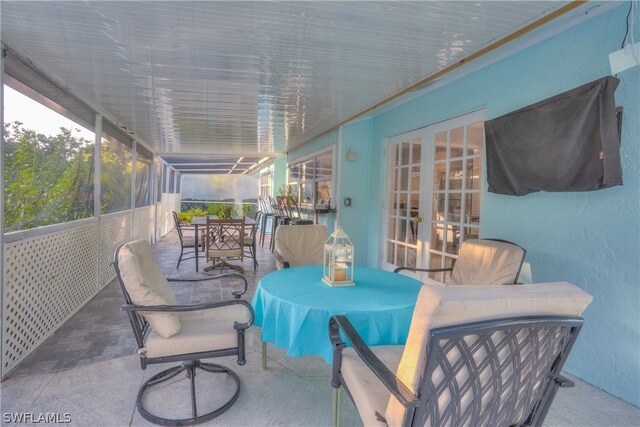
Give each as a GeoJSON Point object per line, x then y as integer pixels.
{"type": "Point", "coordinates": [293, 306]}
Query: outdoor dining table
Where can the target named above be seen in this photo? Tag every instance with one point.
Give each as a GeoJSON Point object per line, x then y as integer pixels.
{"type": "Point", "coordinates": [201, 221]}
{"type": "Point", "coordinates": [293, 306]}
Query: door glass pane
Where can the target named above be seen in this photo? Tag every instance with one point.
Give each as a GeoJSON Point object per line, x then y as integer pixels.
{"type": "Point", "coordinates": [394, 179]}
{"type": "Point", "coordinates": [474, 139]}
{"type": "Point", "coordinates": [403, 204]}
{"type": "Point", "coordinates": [438, 206]}
{"type": "Point", "coordinates": [402, 230]}
{"type": "Point", "coordinates": [412, 255]}
{"type": "Point", "coordinates": [437, 236]}
{"type": "Point", "coordinates": [453, 236]}
{"type": "Point", "coordinates": [404, 179]}
{"type": "Point", "coordinates": [441, 146]}
{"type": "Point", "coordinates": [415, 204]}
{"type": "Point", "coordinates": [455, 175]}
{"type": "Point", "coordinates": [400, 258]}
{"type": "Point", "coordinates": [393, 155]}
{"type": "Point", "coordinates": [393, 204]}
{"type": "Point", "coordinates": [473, 173]}
{"type": "Point", "coordinates": [417, 150]}
{"type": "Point", "coordinates": [457, 142]}
{"type": "Point", "coordinates": [392, 228]}
{"type": "Point", "coordinates": [472, 208]}
{"type": "Point", "coordinates": [455, 207]}
{"type": "Point", "coordinates": [391, 253]}
{"type": "Point", "coordinates": [415, 178]}
{"type": "Point", "coordinates": [413, 232]}
{"type": "Point", "coordinates": [404, 160]}
{"type": "Point", "coordinates": [439, 176]}
{"type": "Point", "coordinates": [471, 233]}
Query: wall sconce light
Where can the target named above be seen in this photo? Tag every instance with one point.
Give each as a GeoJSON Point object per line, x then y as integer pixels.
{"type": "Point", "coordinates": [351, 155]}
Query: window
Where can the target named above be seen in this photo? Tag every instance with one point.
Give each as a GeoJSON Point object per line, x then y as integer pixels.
{"type": "Point", "coordinates": [48, 164]}
{"type": "Point", "coordinates": [266, 182]}
{"type": "Point", "coordinates": [311, 180]}
{"type": "Point", "coordinates": [115, 176]}
{"type": "Point", "coordinates": [143, 180]}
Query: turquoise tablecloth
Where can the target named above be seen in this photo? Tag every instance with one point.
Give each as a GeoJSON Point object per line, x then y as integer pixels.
{"type": "Point", "coordinates": [293, 306]}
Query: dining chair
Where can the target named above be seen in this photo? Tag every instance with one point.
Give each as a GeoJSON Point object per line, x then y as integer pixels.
{"type": "Point", "coordinates": [297, 245]}
{"type": "Point", "coordinates": [168, 332]}
{"type": "Point", "coordinates": [295, 216]}
{"type": "Point", "coordinates": [267, 214]}
{"type": "Point", "coordinates": [475, 355]}
{"type": "Point", "coordinates": [482, 262]}
{"type": "Point", "coordinates": [279, 218]}
{"type": "Point", "coordinates": [249, 241]}
{"type": "Point", "coordinates": [224, 241]}
{"type": "Point", "coordinates": [186, 242]}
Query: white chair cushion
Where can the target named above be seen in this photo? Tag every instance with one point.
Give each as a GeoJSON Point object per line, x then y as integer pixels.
{"type": "Point", "coordinates": [486, 262]}
{"type": "Point", "coordinates": [188, 241]}
{"type": "Point", "coordinates": [369, 395]}
{"type": "Point", "coordinates": [147, 286]}
{"type": "Point", "coordinates": [439, 306]}
{"type": "Point", "coordinates": [203, 330]}
{"type": "Point", "coordinates": [301, 244]}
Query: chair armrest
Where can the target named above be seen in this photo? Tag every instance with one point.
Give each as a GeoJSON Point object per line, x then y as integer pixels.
{"type": "Point", "coordinates": [388, 378]}
{"type": "Point", "coordinates": [426, 270]}
{"type": "Point", "coordinates": [236, 294]}
{"type": "Point", "coordinates": [195, 307]}
{"type": "Point", "coordinates": [281, 260]}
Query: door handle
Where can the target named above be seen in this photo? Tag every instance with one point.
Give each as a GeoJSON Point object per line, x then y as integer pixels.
{"type": "Point", "coordinates": [419, 219]}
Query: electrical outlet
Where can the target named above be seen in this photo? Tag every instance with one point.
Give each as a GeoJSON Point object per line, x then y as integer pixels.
{"type": "Point", "coordinates": [623, 59]}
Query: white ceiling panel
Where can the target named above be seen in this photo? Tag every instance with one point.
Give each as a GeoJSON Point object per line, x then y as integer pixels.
{"type": "Point", "coordinates": [244, 77]}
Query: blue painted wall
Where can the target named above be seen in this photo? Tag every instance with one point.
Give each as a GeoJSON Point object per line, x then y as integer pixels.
{"type": "Point", "coordinates": [590, 239]}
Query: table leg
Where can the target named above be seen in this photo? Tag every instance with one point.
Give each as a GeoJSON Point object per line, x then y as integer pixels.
{"type": "Point", "coordinates": [197, 248]}
{"type": "Point", "coordinates": [264, 355]}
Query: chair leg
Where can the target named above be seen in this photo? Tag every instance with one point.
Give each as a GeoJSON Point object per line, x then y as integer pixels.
{"type": "Point", "coordinates": [180, 257]}
{"type": "Point", "coordinates": [337, 407]}
{"type": "Point", "coordinates": [264, 355]}
{"type": "Point", "coordinates": [190, 368]}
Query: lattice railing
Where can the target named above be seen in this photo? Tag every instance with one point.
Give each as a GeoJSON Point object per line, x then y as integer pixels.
{"type": "Point", "coordinates": [115, 229]}
{"type": "Point", "coordinates": [49, 276]}
{"type": "Point", "coordinates": [46, 279]}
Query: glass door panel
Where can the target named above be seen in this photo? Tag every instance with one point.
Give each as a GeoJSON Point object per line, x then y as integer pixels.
{"type": "Point", "coordinates": [403, 245]}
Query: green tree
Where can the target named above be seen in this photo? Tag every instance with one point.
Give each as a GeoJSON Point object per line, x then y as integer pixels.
{"type": "Point", "coordinates": [48, 179]}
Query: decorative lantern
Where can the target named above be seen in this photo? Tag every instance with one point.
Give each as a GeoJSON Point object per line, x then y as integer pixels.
{"type": "Point", "coordinates": [338, 260]}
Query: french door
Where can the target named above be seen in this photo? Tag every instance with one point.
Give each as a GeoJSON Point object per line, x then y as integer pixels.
{"type": "Point", "coordinates": [433, 193]}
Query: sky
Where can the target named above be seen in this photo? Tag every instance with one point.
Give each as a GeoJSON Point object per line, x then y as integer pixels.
{"type": "Point", "coordinates": [36, 116]}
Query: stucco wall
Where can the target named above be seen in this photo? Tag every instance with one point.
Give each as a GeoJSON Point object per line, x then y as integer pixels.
{"type": "Point", "coordinates": [590, 239]}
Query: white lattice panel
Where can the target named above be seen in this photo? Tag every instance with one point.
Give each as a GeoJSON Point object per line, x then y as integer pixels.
{"type": "Point", "coordinates": [114, 231]}
{"type": "Point", "coordinates": [46, 280]}
{"type": "Point", "coordinates": [142, 223]}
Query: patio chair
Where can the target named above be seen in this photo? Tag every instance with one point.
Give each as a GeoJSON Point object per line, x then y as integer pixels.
{"type": "Point", "coordinates": [297, 245]}
{"type": "Point", "coordinates": [167, 332]}
{"type": "Point", "coordinates": [224, 240]}
{"type": "Point", "coordinates": [249, 241]}
{"type": "Point", "coordinates": [186, 242]}
{"type": "Point", "coordinates": [482, 262]}
{"type": "Point", "coordinates": [475, 355]}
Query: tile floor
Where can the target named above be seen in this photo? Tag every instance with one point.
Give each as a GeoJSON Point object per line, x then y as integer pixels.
{"type": "Point", "coordinates": [90, 373]}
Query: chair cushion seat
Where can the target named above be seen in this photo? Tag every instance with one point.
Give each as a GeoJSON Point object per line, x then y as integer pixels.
{"type": "Point", "coordinates": [369, 395]}
{"type": "Point", "coordinates": [188, 241]}
{"type": "Point", "coordinates": [203, 330]}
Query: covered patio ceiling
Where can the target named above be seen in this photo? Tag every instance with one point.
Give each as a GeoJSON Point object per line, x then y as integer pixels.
{"type": "Point", "coordinates": [204, 83]}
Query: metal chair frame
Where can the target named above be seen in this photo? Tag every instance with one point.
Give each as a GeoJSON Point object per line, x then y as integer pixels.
{"type": "Point", "coordinates": [224, 235]}
{"type": "Point", "coordinates": [536, 345]}
{"type": "Point", "coordinates": [179, 229]}
{"type": "Point", "coordinates": [190, 361]}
